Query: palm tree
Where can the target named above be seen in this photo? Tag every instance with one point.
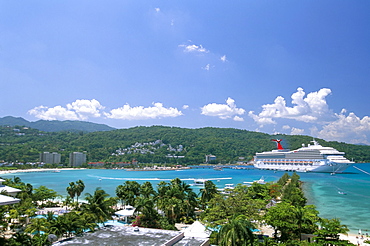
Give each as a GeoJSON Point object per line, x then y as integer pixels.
{"type": "Point", "coordinates": [20, 238]}
{"type": "Point", "coordinates": [40, 240]}
{"type": "Point", "coordinates": [149, 216]}
{"type": "Point", "coordinates": [79, 188]}
{"type": "Point", "coordinates": [128, 192]}
{"type": "Point", "coordinates": [49, 216]}
{"type": "Point", "coordinates": [71, 190]}
{"type": "Point", "coordinates": [162, 189]}
{"type": "Point", "coordinates": [209, 191]}
{"type": "Point", "coordinates": [58, 226]}
{"type": "Point", "coordinates": [99, 205]}
{"type": "Point", "coordinates": [177, 200]}
{"type": "Point", "coordinates": [146, 190]}
{"type": "Point", "coordinates": [37, 226]}
{"type": "Point", "coordinates": [237, 232]}
{"type": "Point", "coordinates": [305, 219]}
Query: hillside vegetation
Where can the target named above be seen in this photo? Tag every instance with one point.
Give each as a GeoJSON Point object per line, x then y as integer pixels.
{"type": "Point", "coordinates": [55, 125]}
{"type": "Point", "coordinates": [22, 144]}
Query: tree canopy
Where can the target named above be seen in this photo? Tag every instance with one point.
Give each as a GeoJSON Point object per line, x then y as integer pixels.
{"type": "Point", "coordinates": [227, 144]}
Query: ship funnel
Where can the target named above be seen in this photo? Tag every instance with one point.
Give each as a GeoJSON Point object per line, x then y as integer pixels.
{"type": "Point", "coordinates": [279, 146]}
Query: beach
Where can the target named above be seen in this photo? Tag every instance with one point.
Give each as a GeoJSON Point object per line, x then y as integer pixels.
{"type": "Point", "coordinates": [38, 170]}
{"type": "Point", "coordinates": [355, 239]}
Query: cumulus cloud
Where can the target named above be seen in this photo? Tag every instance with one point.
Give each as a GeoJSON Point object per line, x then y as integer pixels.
{"type": "Point", "coordinates": [286, 127]}
{"type": "Point", "coordinates": [223, 58]}
{"type": "Point", "coordinates": [185, 106]}
{"type": "Point", "coordinates": [141, 113]}
{"type": "Point", "coordinates": [348, 128]}
{"type": "Point", "coordinates": [78, 110]}
{"type": "Point", "coordinates": [237, 118]}
{"type": "Point", "coordinates": [311, 108]}
{"type": "Point", "coordinates": [296, 131]}
{"type": "Point", "coordinates": [55, 113]}
{"type": "Point", "coordinates": [193, 48]}
{"type": "Point", "coordinates": [157, 10]}
{"type": "Point", "coordinates": [86, 108]}
{"type": "Point", "coordinates": [207, 67]}
{"type": "Point", "coordinates": [223, 111]}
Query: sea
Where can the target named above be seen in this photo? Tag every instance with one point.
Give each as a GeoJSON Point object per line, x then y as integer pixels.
{"type": "Point", "coordinates": [345, 196]}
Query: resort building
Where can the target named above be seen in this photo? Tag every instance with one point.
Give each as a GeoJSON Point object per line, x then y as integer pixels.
{"type": "Point", "coordinates": [210, 158]}
{"type": "Point", "coordinates": [12, 192]}
{"type": "Point", "coordinates": [76, 159]}
{"type": "Point", "coordinates": [50, 158]}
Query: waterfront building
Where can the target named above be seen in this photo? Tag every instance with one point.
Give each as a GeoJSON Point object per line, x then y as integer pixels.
{"type": "Point", "coordinates": [50, 158]}
{"type": "Point", "coordinates": [77, 159]}
{"type": "Point", "coordinates": [210, 158]}
{"type": "Point", "coordinates": [12, 192]}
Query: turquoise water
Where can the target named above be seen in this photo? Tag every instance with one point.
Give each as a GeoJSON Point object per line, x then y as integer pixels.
{"type": "Point", "coordinates": [320, 188]}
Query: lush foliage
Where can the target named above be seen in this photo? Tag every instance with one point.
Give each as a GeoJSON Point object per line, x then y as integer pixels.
{"type": "Point", "coordinates": [55, 125]}
{"type": "Point", "coordinates": [227, 144]}
{"type": "Point", "coordinates": [232, 215]}
{"type": "Point", "coordinates": [237, 232]}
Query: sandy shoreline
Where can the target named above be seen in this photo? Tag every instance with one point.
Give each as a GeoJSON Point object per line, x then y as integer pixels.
{"type": "Point", "coordinates": [38, 170]}
{"type": "Point", "coordinates": [355, 239]}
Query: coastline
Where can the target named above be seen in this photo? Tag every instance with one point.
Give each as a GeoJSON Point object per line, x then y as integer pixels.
{"type": "Point", "coordinates": [38, 170]}
{"type": "Point", "coordinates": [355, 239]}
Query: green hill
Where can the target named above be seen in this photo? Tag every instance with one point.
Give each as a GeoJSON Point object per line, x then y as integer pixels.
{"type": "Point", "coordinates": [55, 125]}
{"type": "Point", "coordinates": [189, 145]}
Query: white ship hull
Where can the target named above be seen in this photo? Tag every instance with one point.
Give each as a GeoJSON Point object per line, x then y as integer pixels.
{"type": "Point", "coordinates": [321, 167]}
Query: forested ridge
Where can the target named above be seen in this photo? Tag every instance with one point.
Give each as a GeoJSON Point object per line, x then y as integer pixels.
{"type": "Point", "coordinates": [23, 144]}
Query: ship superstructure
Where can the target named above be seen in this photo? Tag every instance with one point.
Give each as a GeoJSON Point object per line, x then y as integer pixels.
{"type": "Point", "coordinates": [310, 158]}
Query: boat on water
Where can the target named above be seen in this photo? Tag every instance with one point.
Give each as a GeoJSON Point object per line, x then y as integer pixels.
{"type": "Point", "coordinates": [227, 189]}
{"type": "Point", "coordinates": [310, 158]}
{"type": "Point", "coordinates": [260, 181]}
{"type": "Point", "coordinates": [199, 182]}
{"type": "Point", "coordinates": [217, 168]}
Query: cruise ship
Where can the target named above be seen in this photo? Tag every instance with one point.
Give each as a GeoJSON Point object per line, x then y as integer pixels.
{"type": "Point", "coordinates": [310, 158]}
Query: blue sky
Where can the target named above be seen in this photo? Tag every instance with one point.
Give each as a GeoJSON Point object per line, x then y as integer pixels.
{"type": "Point", "coordinates": [293, 67]}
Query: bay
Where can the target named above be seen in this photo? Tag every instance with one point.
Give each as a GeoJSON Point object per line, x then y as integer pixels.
{"type": "Point", "coordinates": [344, 196]}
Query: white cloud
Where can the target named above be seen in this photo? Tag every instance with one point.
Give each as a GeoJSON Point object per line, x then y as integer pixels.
{"type": "Point", "coordinates": [55, 113]}
{"type": "Point", "coordinates": [296, 131]}
{"type": "Point", "coordinates": [237, 118]}
{"type": "Point", "coordinates": [351, 129]}
{"type": "Point", "coordinates": [193, 48]}
{"type": "Point", "coordinates": [86, 108]}
{"type": "Point", "coordinates": [223, 58]}
{"type": "Point", "coordinates": [313, 108]}
{"type": "Point", "coordinates": [286, 127]}
{"type": "Point", "coordinates": [207, 67]}
{"type": "Point", "coordinates": [141, 113]}
{"type": "Point", "coordinates": [77, 110]}
{"type": "Point", "coordinates": [223, 111]}
{"type": "Point", "coordinates": [157, 10]}
{"type": "Point", "coordinates": [185, 106]}
{"type": "Point", "coordinates": [261, 120]}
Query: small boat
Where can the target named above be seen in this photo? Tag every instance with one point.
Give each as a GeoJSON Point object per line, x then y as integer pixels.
{"type": "Point", "coordinates": [260, 181]}
{"type": "Point", "coordinates": [342, 193]}
{"type": "Point", "coordinates": [199, 182]}
{"type": "Point", "coordinates": [229, 186]}
{"type": "Point", "coordinates": [227, 189]}
{"type": "Point", "coordinates": [217, 168]}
